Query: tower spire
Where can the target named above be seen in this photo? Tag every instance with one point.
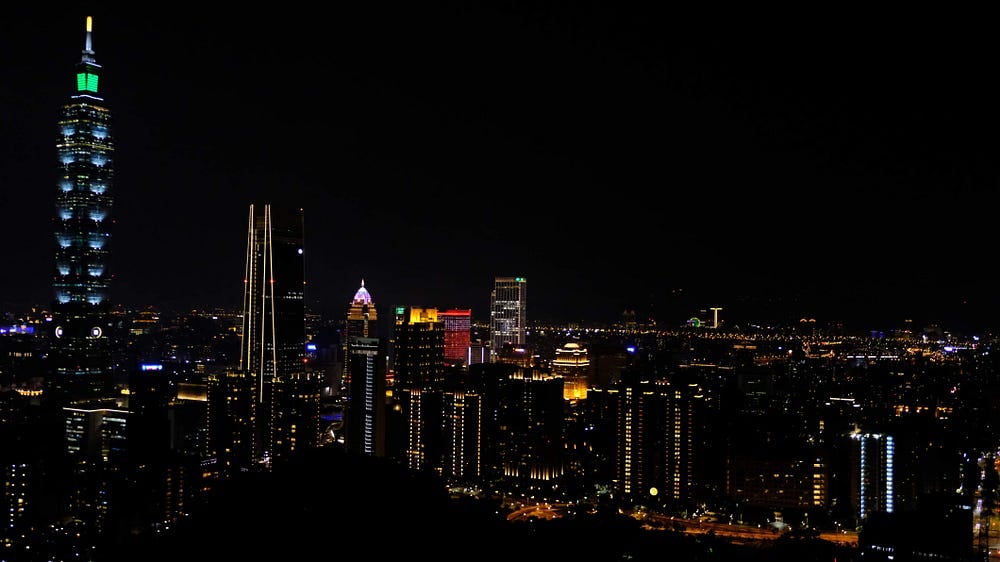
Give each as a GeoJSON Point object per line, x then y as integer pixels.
{"type": "Point", "coordinates": [88, 46]}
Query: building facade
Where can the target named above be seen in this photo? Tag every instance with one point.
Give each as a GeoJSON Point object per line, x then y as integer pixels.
{"type": "Point", "coordinates": [367, 399]}
{"type": "Point", "coordinates": [273, 335]}
{"type": "Point", "coordinates": [874, 473]}
{"type": "Point", "coordinates": [656, 435]}
{"type": "Point", "coordinates": [362, 322]}
{"type": "Point", "coordinates": [457, 336]}
{"type": "Point", "coordinates": [508, 315]}
{"type": "Point", "coordinates": [531, 415]}
{"type": "Point", "coordinates": [418, 362]}
{"type": "Point", "coordinates": [80, 350]}
{"type": "Point", "coordinates": [573, 364]}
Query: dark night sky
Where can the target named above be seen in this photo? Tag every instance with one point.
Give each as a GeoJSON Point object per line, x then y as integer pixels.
{"type": "Point", "coordinates": [831, 166]}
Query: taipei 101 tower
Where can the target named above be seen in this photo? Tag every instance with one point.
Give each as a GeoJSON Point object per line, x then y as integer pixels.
{"type": "Point", "coordinates": [80, 351]}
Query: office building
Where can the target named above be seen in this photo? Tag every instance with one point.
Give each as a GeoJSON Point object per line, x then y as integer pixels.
{"type": "Point", "coordinates": [573, 364]}
{"type": "Point", "coordinates": [231, 421]}
{"type": "Point", "coordinates": [418, 362]}
{"type": "Point", "coordinates": [97, 442]}
{"type": "Point", "coordinates": [273, 335]}
{"type": "Point", "coordinates": [81, 416]}
{"type": "Point", "coordinates": [366, 404]}
{"type": "Point", "coordinates": [80, 351]}
{"type": "Point", "coordinates": [457, 336]}
{"type": "Point", "coordinates": [508, 316]}
{"type": "Point", "coordinates": [362, 322]}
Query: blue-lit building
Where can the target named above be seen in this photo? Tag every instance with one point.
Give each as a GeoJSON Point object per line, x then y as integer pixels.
{"type": "Point", "coordinates": [80, 351]}
{"type": "Point", "coordinates": [873, 491]}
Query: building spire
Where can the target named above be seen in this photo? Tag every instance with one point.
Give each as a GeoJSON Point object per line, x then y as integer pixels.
{"type": "Point", "coordinates": [88, 47]}
{"type": "Point", "coordinates": [87, 70]}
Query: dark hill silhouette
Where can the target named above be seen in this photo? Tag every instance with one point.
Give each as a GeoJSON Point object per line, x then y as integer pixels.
{"type": "Point", "coordinates": [327, 502]}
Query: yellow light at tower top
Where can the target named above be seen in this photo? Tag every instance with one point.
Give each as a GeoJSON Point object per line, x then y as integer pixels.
{"type": "Point", "coordinates": [90, 24]}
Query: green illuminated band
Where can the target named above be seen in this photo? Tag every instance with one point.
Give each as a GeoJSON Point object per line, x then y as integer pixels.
{"type": "Point", "coordinates": [86, 81]}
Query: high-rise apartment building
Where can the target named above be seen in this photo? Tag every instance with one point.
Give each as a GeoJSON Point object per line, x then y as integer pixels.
{"type": "Point", "coordinates": [874, 473]}
{"type": "Point", "coordinates": [508, 315]}
{"type": "Point", "coordinates": [656, 434]}
{"type": "Point", "coordinates": [273, 334]}
{"type": "Point", "coordinates": [462, 420]}
{"type": "Point", "coordinates": [80, 351]}
{"type": "Point", "coordinates": [531, 415]}
{"type": "Point", "coordinates": [682, 429]}
{"type": "Point", "coordinates": [635, 411]}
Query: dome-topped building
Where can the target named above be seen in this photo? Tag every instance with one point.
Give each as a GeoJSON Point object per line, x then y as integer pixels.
{"type": "Point", "coordinates": [573, 363]}
{"type": "Point", "coordinates": [361, 322]}
{"type": "Point", "coordinates": [361, 298]}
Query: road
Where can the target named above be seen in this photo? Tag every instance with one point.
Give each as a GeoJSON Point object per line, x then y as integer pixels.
{"type": "Point", "coordinates": [738, 534]}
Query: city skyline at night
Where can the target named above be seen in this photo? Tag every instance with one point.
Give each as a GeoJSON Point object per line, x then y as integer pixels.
{"type": "Point", "coordinates": [759, 324]}
{"type": "Point", "coordinates": [642, 166]}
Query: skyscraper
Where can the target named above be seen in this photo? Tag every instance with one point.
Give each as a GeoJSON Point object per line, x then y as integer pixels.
{"type": "Point", "coordinates": [362, 322]}
{"type": "Point", "coordinates": [364, 370]}
{"type": "Point", "coordinates": [874, 475]}
{"type": "Point", "coordinates": [232, 413]}
{"type": "Point", "coordinates": [655, 438]}
{"type": "Point", "coordinates": [532, 412]}
{"type": "Point", "coordinates": [573, 364]}
{"type": "Point", "coordinates": [80, 353]}
{"type": "Point", "coordinates": [508, 315]}
{"type": "Point", "coordinates": [273, 334]}
{"type": "Point", "coordinates": [457, 335]}
{"type": "Point", "coordinates": [366, 407]}
{"type": "Point", "coordinates": [418, 362]}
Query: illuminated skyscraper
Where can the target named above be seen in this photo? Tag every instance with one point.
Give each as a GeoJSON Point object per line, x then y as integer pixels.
{"type": "Point", "coordinates": [573, 364]}
{"type": "Point", "coordinates": [418, 362]}
{"type": "Point", "coordinates": [364, 371]}
{"type": "Point", "coordinates": [508, 315]}
{"type": "Point", "coordinates": [366, 406]}
{"type": "Point", "coordinates": [462, 420]}
{"type": "Point", "coordinates": [80, 353]}
{"type": "Point", "coordinates": [873, 473]}
{"type": "Point", "coordinates": [656, 437]}
{"type": "Point", "coordinates": [457, 335]}
{"type": "Point", "coordinates": [273, 334]}
{"type": "Point", "coordinates": [636, 409]}
{"type": "Point", "coordinates": [362, 322]}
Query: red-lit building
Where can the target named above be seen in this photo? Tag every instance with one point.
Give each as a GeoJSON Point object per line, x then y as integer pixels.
{"type": "Point", "coordinates": [457, 334]}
